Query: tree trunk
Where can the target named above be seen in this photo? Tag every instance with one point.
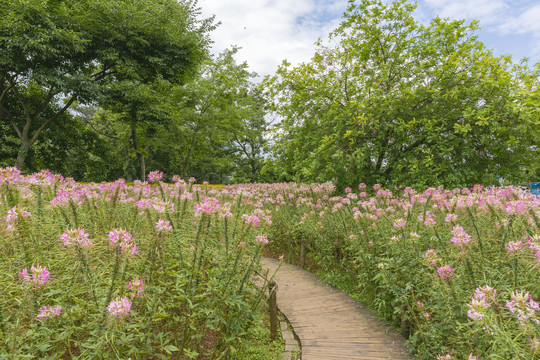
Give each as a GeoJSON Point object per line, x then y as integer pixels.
{"type": "Point", "coordinates": [140, 157]}
{"type": "Point", "coordinates": [21, 155]}
{"type": "Point", "coordinates": [190, 150]}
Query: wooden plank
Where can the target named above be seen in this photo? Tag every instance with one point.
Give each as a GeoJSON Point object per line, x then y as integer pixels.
{"type": "Point", "coordinates": [329, 323]}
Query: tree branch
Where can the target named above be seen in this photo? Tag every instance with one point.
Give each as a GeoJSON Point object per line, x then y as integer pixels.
{"type": "Point", "coordinates": [51, 119]}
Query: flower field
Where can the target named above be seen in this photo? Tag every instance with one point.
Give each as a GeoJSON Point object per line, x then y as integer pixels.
{"type": "Point", "coordinates": [161, 271]}
{"type": "Point", "coordinates": [170, 270]}
{"type": "Point", "coordinates": [457, 270]}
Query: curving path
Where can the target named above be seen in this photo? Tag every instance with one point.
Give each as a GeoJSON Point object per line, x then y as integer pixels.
{"type": "Point", "coordinates": [329, 323]}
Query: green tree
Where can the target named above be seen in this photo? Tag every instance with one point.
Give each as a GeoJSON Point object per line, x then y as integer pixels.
{"type": "Point", "coordinates": [211, 113]}
{"type": "Point", "coordinates": [393, 100]}
{"type": "Point", "coordinates": [72, 49]}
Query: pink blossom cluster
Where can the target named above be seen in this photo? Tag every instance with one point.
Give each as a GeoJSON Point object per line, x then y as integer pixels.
{"type": "Point", "coordinates": [39, 275]}
{"type": "Point", "coordinates": [262, 239]}
{"type": "Point", "coordinates": [460, 238]}
{"type": "Point", "coordinates": [450, 218]}
{"type": "Point", "coordinates": [446, 271]}
{"type": "Point", "coordinates": [514, 246]}
{"type": "Point", "coordinates": [431, 257]}
{"type": "Point", "coordinates": [14, 214]}
{"type": "Point", "coordinates": [251, 219]}
{"type": "Point", "coordinates": [47, 312]}
{"type": "Point", "coordinates": [163, 226]}
{"type": "Point", "coordinates": [155, 176]}
{"type": "Point", "coordinates": [137, 286]}
{"type": "Point", "coordinates": [444, 357]}
{"type": "Point", "coordinates": [400, 223]}
{"type": "Point", "coordinates": [123, 239]}
{"type": "Point", "coordinates": [119, 307]}
{"type": "Point", "coordinates": [76, 237]}
{"type": "Point", "coordinates": [524, 307]}
{"type": "Point", "coordinates": [534, 245]}
{"type": "Point", "coordinates": [207, 206]}
{"type": "Point", "coordinates": [482, 299]}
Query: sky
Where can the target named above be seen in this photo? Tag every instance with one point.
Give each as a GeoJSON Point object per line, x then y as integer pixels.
{"type": "Point", "coordinates": [270, 31]}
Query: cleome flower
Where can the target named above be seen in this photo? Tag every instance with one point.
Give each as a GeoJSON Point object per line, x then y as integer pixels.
{"type": "Point", "coordinates": [431, 257]}
{"type": "Point", "coordinates": [137, 286]}
{"type": "Point", "coordinates": [524, 307]}
{"type": "Point", "coordinates": [262, 239]}
{"type": "Point", "coordinates": [122, 238]}
{"type": "Point", "coordinates": [39, 275]}
{"type": "Point", "coordinates": [446, 271]}
{"type": "Point", "coordinates": [460, 238]}
{"type": "Point", "coordinates": [400, 223]}
{"type": "Point", "coordinates": [163, 226]}
{"type": "Point", "coordinates": [155, 176]}
{"type": "Point", "coordinates": [207, 206]}
{"type": "Point", "coordinates": [13, 216]}
{"type": "Point", "coordinates": [119, 307]}
{"type": "Point", "coordinates": [47, 312]}
{"type": "Point", "coordinates": [76, 237]}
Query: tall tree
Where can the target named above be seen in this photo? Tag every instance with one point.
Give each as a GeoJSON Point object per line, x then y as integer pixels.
{"type": "Point", "coordinates": [393, 100]}
{"type": "Point", "coordinates": [211, 110]}
{"type": "Point", "coordinates": [72, 48]}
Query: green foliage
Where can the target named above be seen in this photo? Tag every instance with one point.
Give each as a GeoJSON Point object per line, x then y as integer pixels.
{"type": "Point", "coordinates": [199, 296]}
{"type": "Point", "coordinates": [389, 252]}
{"type": "Point", "coordinates": [72, 50]}
{"type": "Point", "coordinates": [391, 100]}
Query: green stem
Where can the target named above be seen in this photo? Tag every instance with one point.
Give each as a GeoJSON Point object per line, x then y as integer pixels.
{"type": "Point", "coordinates": [476, 229]}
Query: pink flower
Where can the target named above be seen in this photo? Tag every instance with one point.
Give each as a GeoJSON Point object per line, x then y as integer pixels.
{"type": "Point", "coordinates": [524, 307]}
{"type": "Point", "coordinates": [137, 286]}
{"type": "Point", "coordinates": [446, 271]}
{"type": "Point", "coordinates": [46, 312]}
{"type": "Point", "coordinates": [192, 180]}
{"type": "Point", "coordinates": [252, 219]}
{"type": "Point", "coordinates": [535, 343]}
{"type": "Point", "coordinates": [163, 226]}
{"type": "Point", "coordinates": [461, 238]}
{"type": "Point", "coordinates": [472, 357]}
{"type": "Point", "coordinates": [450, 218]}
{"type": "Point", "coordinates": [155, 176]}
{"type": "Point", "coordinates": [348, 190]}
{"type": "Point", "coordinates": [514, 246]}
{"type": "Point", "coordinates": [362, 186]}
{"type": "Point", "coordinates": [119, 307]}
{"type": "Point", "coordinates": [122, 238]}
{"type": "Point", "coordinates": [76, 237]}
{"type": "Point", "coordinates": [486, 294]}
{"type": "Point", "coordinates": [207, 206]}
{"type": "Point", "coordinates": [400, 223]}
{"type": "Point", "coordinates": [39, 275]}
{"type": "Point", "coordinates": [476, 308]}
{"type": "Point", "coordinates": [17, 213]}
{"type": "Point", "coordinates": [262, 239]}
{"type": "Point", "coordinates": [431, 257]}
{"type": "Point", "coordinates": [445, 357]}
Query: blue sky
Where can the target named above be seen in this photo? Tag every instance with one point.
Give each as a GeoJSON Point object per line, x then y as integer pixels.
{"type": "Point", "coordinates": [269, 31]}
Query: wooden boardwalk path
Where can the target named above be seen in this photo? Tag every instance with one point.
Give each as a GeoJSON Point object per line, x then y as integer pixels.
{"type": "Point", "coordinates": [330, 324]}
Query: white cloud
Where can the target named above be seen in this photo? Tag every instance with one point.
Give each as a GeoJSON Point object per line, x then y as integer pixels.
{"type": "Point", "coordinates": [487, 11]}
{"type": "Point", "coordinates": [527, 22]}
{"type": "Point", "coordinates": [270, 31]}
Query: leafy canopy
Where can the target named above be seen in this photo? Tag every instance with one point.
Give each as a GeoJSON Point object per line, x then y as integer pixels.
{"type": "Point", "coordinates": [392, 100]}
